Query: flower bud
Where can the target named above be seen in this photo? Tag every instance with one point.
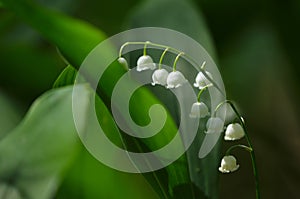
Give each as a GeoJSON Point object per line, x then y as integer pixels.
{"type": "Point", "coordinates": [175, 79]}
{"type": "Point", "coordinates": [199, 110]}
{"type": "Point", "coordinates": [145, 62]}
{"type": "Point", "coordinates": [160, 77]}
{"type": "Point", "coordinates": [228, 164]}
{"type": "Point", "coordinates": [234, 132]}
{"type": "Point", "coordinates": [123, 62]}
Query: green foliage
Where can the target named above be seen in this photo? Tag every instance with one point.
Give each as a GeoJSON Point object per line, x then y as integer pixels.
{"type": "Point", "coordinates": [75, 39]}
{"type": "Point", "coordinates": [67, 77]}
{"type": "Point", "coordinates": [34, 154]}
{"type": "Point", "coordinates": [182, 16]}
{"type": "Point", "coordinates": [48, 144]}
{"type": "Point", "coordinates": [90, 179]}
{"type": "Point", "coordinates": [258, 46]}
{"type": "Point", "coordinates": [9, 115]}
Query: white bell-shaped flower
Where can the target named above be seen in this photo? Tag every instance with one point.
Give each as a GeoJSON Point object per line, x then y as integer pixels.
{"type": "Point", "coordinates": [201, 81]}
{"type": "Point", "coordinates": [145, 62]}
{"type": "Point", "coordinates": [123, 61]}
{"type": "Point", "coordinates": [228, 164]}
{"type": "Point", "coordinates": [199, 110]}
{"type": "Point", "coordinates": [214, 125]}
{"type": "Point", "coordinates": [160, 77]}
{"type": "Point", "coordinates": [175, 79]}
{"type": "Point", "coordinates": [234, 132]}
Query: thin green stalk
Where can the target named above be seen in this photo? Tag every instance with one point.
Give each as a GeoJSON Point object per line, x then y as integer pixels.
{"type": "Point", "coordinates": [176, 60]}
{"type": "Point", "coordinates": [121, 48]}
{"type": "Point", "coordinates": [161, 58]}
{"type": "Point", "coordinates": [202, 90]}
{"type": "Point", "coordinates": [145, 48]}
{"type": "Point", "coordinates": [247, 148]}
{"type": "Point", "coordinates": [252, 153]}
{"type": "Point", "coordinates": [131, 43]}
{"type": "Point", "coordinates": [254, 165]}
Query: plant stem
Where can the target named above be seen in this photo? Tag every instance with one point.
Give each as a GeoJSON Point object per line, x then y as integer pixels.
{"type": "Point", "coordinates": [203, 65]}
{"type": "Point", "coordinates": [252, 153]}
{"type": "Point", "coordinates": [176, 60]}
{"type": "Point", "coordinates": [202, 90]}
{"type": "Point", "coordinates": [145, 48]}
{"type": "Point", "coordinates": [122, 47]}
{"type": "Point", "coordinates": [249, 149]}
{"type": "Point", "coordinates": [161, 58]}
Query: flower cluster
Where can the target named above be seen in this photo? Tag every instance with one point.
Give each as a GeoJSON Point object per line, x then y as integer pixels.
{"type": "Point", "coordinates": [160, 76]}
{"type": "Point", "coordinates": [203, 80]}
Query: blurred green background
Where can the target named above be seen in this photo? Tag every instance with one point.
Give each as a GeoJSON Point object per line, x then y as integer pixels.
{"type": "Point", "coordinates": [257, 51]}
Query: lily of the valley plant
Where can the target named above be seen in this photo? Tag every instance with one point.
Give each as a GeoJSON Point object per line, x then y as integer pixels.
{"type": "Point", "coordinates": [203, 80]}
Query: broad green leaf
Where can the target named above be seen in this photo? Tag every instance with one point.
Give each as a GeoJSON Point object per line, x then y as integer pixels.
{"type": "Point", "coordinates": [158, 179]}
{"type": "Point", "coordinates": [75, 40]}
{"type": "Point", "coordinates": [67, 77]}
{"type": "Point", "coordinates": [182, 16]}
{"type": "Point", "coordinates": [36, 152]}
{"type": "Point", "coordinates": [22, 55]}
{"type": "Point", "coordinates": [10, 114]}
{"type": "Point", "coordinates": [90, 179]}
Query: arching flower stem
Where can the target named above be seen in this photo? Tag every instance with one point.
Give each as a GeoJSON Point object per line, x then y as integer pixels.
{"type": "Point", "coordinates": [176, 60]}
{"type": "Point", "coordinates": [145, 48]}
{"type": "Point", "coordinates": [176, 51]}
{"type": "Point", "coordinates": [202, 90]}
{"type": "Point", "coordinates": [161, 58]}
{"type": "Point", "coordinates": [249, 148]}
{"type": "Point", "coordinates": [228, 152]}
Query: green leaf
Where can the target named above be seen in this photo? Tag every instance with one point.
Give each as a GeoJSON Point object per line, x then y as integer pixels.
{"type": "Point", "coordinates": [34, 154]}
{"type": "Point", "coordinates": [182, 16]}
{"type": "Point", "coordinates": [158, 179]}
{"type": "Point", "coordinates": [37, 153]}
{"type": "Point", "coordinates": [67, 77]}
{"type": "Point", "coordinates": [90, 179]}
{"type": "Point", "coordinates": [10, 115]}
{"type": "Point", "coordinates": [76, 39]}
